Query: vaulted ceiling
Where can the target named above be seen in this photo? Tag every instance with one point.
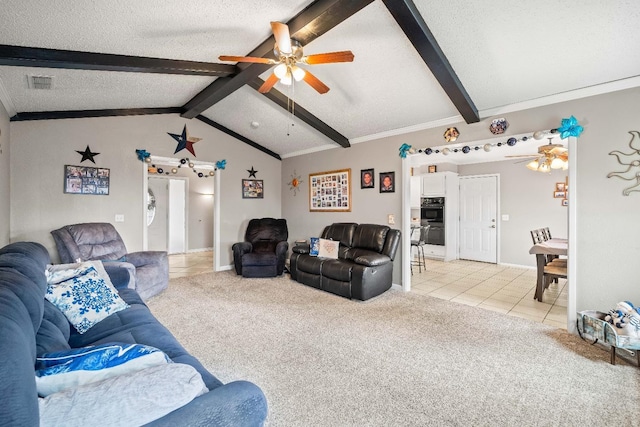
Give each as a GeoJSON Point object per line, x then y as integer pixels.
{"type": "Point", "coordinates": [418, 64]}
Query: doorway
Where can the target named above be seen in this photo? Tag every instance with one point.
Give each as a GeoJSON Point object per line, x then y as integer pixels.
{"type": "Point", "coordinates": [478, 237]}
{"type": "Point", "coordinates": [168, 229]}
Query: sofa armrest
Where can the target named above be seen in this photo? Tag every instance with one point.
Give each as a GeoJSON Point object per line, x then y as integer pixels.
{"type": "Point", "coordinates": [147, 257]}
{"type": "Point", "coordinates": [239, 403]}
{"type": "Point", "coordinates": [372, 260]}
{"type": "Point", "coordinates": [301, 248]}
{"type": "Point", "coordinates": [122, 274]}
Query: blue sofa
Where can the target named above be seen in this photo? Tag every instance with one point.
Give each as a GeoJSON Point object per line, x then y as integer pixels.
{"type": "Point", "coordinates": [31, 325]}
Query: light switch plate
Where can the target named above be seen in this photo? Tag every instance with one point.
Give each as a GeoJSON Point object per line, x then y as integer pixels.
{"type": "Point", "coordinates": [119, 218]}
{"type": "Point", "coordinates": [505, 217]}
{"type": "Point", "coordinates": [392, 219]}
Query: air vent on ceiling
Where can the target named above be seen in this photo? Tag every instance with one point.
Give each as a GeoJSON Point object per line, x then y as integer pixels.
{"type": "Point", "coordinates": [40, 82]}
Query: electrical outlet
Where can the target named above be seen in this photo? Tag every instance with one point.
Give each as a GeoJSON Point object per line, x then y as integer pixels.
{"type": "Point", "coordinates": [119, 218]}
{"type": "Point", "coordinates": [392, 219]}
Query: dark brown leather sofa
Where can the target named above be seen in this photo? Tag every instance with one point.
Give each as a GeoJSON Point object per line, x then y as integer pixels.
{"type": "Point", "coordinates": [364, 267]}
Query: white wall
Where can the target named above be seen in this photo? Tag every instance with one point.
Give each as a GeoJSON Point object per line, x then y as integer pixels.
{"type": "Point", "coordinates": [607, 230]}
{"type": "Point", "coordinates": [4, 177]}
{"type": "Point", "coordinates": [42, 148]}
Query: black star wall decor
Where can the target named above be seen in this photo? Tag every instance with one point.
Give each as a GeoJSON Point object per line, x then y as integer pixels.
{"type": "Point", "coordinates": [252, 173]}
{"type": "Point", "coordinates": [87, 154]}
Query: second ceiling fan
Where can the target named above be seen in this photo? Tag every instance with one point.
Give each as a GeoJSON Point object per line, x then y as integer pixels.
{"type": "Point", "coordinates": [289, 54]}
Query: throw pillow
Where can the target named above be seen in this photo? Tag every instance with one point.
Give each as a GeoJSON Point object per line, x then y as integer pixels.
{"type": "Point", "coordinates": [314, 246]}
{"type": "Point", "coordinates": [71, 368]}
{"type": "Point", "coordinates": [126, 400]}
{"type": "Point", "coordinates": [329, 248]}
{"type": "Point", "coordinates": [83, 295]}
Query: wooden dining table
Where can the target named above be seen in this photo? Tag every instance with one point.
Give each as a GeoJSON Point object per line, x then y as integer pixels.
{"type": "Point", "coordinates": [554, 247]}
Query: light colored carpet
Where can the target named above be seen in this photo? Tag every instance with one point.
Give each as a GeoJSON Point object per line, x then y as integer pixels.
{"type": "Point", "coordinates": [400, 359]}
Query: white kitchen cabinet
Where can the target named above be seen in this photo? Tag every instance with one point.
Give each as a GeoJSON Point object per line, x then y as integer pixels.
{"type": "Point", "coordinates": [433, 184]}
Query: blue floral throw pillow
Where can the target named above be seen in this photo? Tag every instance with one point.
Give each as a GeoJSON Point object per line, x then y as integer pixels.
{"type": "Point", "coordinates": [83, 296]}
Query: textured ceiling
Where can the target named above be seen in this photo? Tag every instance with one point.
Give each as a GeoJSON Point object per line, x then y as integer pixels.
{"type": "Point", "coordinates": [507, 55]}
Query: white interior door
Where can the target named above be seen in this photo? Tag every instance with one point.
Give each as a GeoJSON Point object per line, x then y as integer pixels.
{"type": "Point", "coordinates": [478, 218]}
{"type": "Point", "coordinates": [177, 216]}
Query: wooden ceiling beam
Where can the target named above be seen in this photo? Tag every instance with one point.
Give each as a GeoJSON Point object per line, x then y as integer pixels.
{"type": "Point", "coordinates": [408, 17]}
{"type": "Point", "coordinates": [311, 23]}
{"type": "Point", "coordinates": [19, 56]}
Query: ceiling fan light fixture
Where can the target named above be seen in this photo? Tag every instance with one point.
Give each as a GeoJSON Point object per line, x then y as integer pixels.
{"type": "Point", "coordinates": [557, 163]}
{"type": "Point", "coordinates": [280, 71]}
{"type": "Point", "coordinates": [287, 80]}
{"type": "Point", "coordinates": [298, 73]}
{"type": "Point", "coordinates": [544, 167]}
{"type": "Point", "coordinates": [533, 165]}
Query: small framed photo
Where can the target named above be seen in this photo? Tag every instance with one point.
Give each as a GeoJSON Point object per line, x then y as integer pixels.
{"type": "Point", "coordinates": [565, 202]}
{"type": "Point", "coordinates": [561, 186]}
{"type": "Point", "coordinates": [432, 169]}
{"type": "Point", "coordinates": [252, 189]}
{"type": "Point", "coordinates": [387, 182]}
{"type": "Point", "coordinates": [367, 179]}
{"type": "Point", "coordinates": [559, 194]}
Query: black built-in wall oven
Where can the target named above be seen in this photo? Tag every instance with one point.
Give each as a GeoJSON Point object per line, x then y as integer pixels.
{"type": "Point", "coordinates": [432, 214]}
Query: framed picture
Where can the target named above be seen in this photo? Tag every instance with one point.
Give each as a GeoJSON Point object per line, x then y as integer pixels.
{"type": "Point", "coordinates": [330, 191]}
{"type": "Point", "coordinates": [561, 186]}
{"type": "Point", "coordinates": [387, 182]}
{"type": "Point", "coordinates": [565, 202]}
{"type": "Point", "coordinates": [559, 194]}
{"type": "Point", "coordinates": [86, 180]}
{"type": "Point", "coordinates": [367, 178]}
{"type": "Point", "coordinates": [432, 169]}
{"type": "Point", "coordinates": [252, 189]}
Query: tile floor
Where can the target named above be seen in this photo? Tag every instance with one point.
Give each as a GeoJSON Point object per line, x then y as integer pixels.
{"type": "Point", "coordinates": [188, 264]}
{"type": "Point", "coordinates": [507, 290]}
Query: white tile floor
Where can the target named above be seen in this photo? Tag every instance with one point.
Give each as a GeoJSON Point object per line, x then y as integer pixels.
{"type": "Point", "coordinates": [507, 290]}
{"type": "Point", "coordinates": [181, 265]}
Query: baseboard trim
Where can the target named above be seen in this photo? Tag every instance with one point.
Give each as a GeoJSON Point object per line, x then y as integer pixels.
{"type": "Point", "coordinates": [225, 267]}
{"type": "Point", "coordinates": [190, 251]}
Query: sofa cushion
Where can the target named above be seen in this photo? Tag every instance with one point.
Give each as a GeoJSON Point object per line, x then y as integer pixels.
{"type": "Point", "coordinates": [71, 368]}
{"type": "Point", "coordinates": [310, 264]}
{"type": "Point", "coordinates": [53, 334]}
{"type": "Point", "coordinates": [83, 296]}
{"type": "Point", "coordinates": [125, 400]}
{"type": "Point", "coordinates": [337, 269]}
{"type": "Point", "coordinates": [370, 236]}
{"type": "Point", "coordinates": [264, 246]}
{"type": "Point", "coordinates": [340, 231]}
{"type": "Point", "coordinates": [259, 258]}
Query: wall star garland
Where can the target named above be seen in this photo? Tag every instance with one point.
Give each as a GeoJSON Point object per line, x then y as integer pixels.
{"type": "Point", "coordinates": [145, 156]}
{"type": "Point", "coordinates": [569, 127]}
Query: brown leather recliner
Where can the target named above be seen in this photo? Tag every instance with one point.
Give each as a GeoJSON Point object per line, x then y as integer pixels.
{"type": "Point", "coordinates": [264, 251]}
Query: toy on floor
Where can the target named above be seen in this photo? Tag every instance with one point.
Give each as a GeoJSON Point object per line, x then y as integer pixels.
{"type": "Point", "coordinates": [626, 318]}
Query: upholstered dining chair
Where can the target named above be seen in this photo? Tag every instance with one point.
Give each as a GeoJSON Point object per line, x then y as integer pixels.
{"type": "Point", "coordinates": [101, 241]}
{"type": "Point", "coordinates": [264, 250]}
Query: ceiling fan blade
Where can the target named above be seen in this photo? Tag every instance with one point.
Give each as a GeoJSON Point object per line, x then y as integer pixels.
{"type": "Point", "coordinates": [281, 34]}
{"type": "Point", "coordinates": [315, 83]}
{"type": "Point", "coordinates": [527, 155]}
{"type": "Point", "coordinates": [329, 57]}
{"type": "Point", "coordinates": [246, 59]}
{"type": "Point", "coordinates": [268, 84]}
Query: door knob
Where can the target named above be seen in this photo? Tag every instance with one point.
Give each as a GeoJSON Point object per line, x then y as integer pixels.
{"type": "Point", "coordinates": [493, 226]}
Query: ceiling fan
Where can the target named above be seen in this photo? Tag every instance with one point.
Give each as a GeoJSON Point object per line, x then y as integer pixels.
{"type": "Point", "coordinates": [289, 54]}
{"type": "Point", "coordinates": [550, 156]}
